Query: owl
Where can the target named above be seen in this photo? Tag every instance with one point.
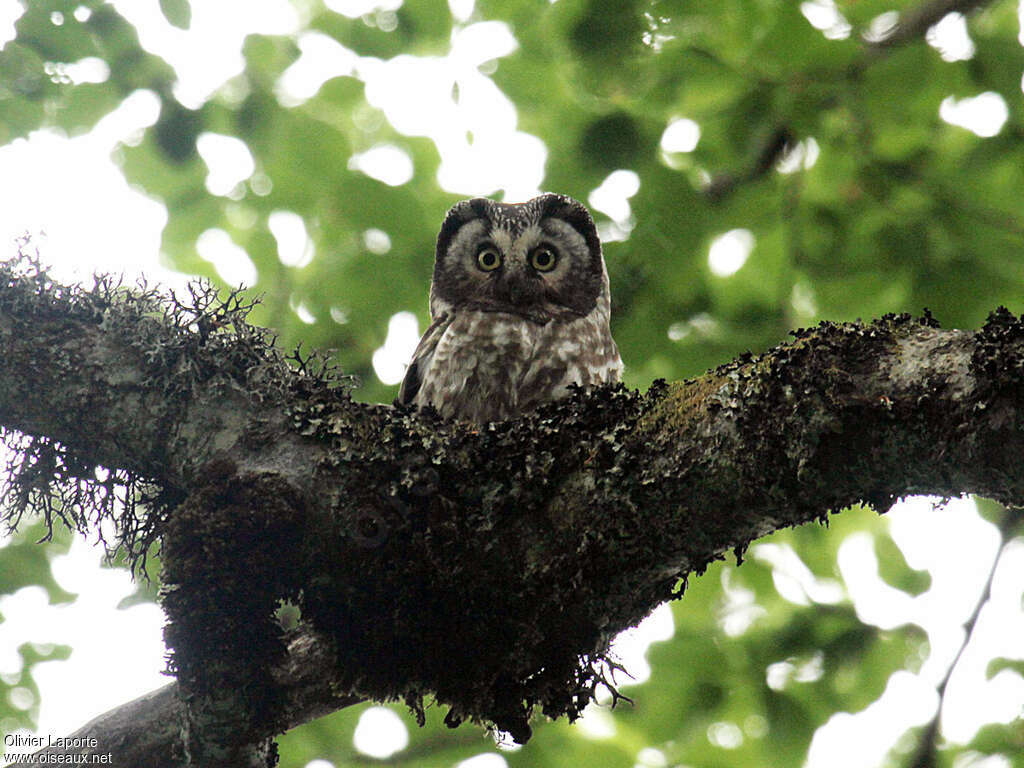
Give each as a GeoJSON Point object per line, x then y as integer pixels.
{"type": "Point", "coordinates": [519, 304]}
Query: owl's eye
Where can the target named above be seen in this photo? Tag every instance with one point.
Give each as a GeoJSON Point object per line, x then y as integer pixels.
{"type": "Point", "coordinates": [488, 259]}
{"type": "Point", "coordinates": [543, 259]}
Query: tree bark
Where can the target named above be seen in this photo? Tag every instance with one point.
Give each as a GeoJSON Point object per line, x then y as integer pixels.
{"type": "Point", "coordinates": [487, 567]}
{"type": "Point", "coordinates": [145, 732]}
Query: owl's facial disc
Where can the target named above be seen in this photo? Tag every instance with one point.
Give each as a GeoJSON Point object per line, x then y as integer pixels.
{"type": "Point", "coordinates": [526, 277]}
{"type": "Point", "coordinates": [539, 259]}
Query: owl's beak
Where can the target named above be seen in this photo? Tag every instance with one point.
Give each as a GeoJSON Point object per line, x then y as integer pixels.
{"type": "Point", "coordinates": [519, 288]}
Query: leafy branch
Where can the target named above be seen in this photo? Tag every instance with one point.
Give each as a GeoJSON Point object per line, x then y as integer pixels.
{"type": "Point", "coordinates": [912, 27]}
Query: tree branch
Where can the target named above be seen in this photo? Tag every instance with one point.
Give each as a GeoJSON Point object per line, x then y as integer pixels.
{"type": "Point", "coordinates": [763, 160]}
{"type": "Point", "coordinates": [913, 26]}
{"type": "Point", "coordinates": [918, 20]}
{"type": "Point", "coordinates": [486, 567]}
{"type": "Point", "coordinates": [144, 733]}
{"type": "Point", "coordinates": [926, 754]}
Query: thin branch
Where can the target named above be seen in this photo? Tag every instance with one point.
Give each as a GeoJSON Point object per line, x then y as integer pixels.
{"type": "Point", "coordinates": [918, 20]}
{"type": "Point", "coordinates": [913, 26]}
{"type": "Point", "coordinates": [763, 159]}
{"type": "Point", "coordinates": [927, 751]}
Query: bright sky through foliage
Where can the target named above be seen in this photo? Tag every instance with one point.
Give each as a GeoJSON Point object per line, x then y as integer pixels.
{"type": "Point", "coordinates": [380, 733]}
{"type": "Point", "coordinates": [729, 252]}
{"type": "Point", "coordinates": [73, 200]}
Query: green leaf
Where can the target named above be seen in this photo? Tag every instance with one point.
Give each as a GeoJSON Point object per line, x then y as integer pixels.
{"type": "Point", "coordinates": [894, 570]}
{"type": "Point", "coordinates": [25, 562]}
{"type": "Point", "coordinates": [997, 665]}
{"type": "Point", "coordinates": [177, 12]}
{"type": "Point", "coordinates": [999, 739]}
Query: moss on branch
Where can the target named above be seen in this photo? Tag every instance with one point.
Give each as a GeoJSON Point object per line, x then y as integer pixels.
{"type": "Point", "coordinates": [488, 567]}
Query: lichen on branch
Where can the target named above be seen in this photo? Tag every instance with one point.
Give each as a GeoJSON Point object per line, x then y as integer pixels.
{"type": "Point", "coordinates": [486, 567]}
{"type": "Point", "coordinates": [100, 385]}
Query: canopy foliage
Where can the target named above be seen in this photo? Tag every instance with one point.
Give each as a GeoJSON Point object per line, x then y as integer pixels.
{"type": "Point", "coordinates": [819, 136]}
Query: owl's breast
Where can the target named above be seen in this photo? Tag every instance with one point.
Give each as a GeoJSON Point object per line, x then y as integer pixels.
{"type": "Point", "coordinates": [578, 351]}
{"type": "Point", "coordinates": [492, 366]}
{"type": "Point", "coordinates": [477, 366]}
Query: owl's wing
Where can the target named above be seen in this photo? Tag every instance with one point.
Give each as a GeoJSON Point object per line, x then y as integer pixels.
{"type": "Point", "coordinates": [421, 360]}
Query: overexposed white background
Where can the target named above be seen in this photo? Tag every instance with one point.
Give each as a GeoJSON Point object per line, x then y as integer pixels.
{"type": "Point", "coordinates": [72, 199]}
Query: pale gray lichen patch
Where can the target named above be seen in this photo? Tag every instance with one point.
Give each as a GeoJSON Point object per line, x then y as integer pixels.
{"type": "Point", "coordinates": [931, 356]}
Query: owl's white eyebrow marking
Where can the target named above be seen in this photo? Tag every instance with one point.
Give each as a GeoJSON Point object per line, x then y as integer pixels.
{"type": "Point", "coordinates": [502, 238]}
{"type": "Point", "coordinates": [522, 242]}
{"type": "Point", "coordinates": [531, 235]}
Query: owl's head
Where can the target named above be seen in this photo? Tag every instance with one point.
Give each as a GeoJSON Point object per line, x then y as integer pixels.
{"type": "Point", "coordinates": [537, 259]}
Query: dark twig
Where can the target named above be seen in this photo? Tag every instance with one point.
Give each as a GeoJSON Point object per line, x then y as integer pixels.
{"type": "Point", "coordinates": [926, 754]}
{"type": "Point", "coordinates": [763, 160]}
{"type": "Point", "coordinates": [913, 26]}
{"type": "Point", "coordinates": [917, 21]}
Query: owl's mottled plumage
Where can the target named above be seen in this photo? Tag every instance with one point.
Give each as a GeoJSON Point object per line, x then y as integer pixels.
{"type": "Point", "coordinates": [520, 307]}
